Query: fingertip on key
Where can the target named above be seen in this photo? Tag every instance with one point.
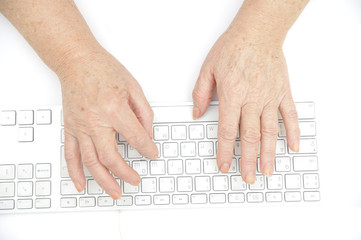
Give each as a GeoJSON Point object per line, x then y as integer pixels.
{"type": "Point", "coordinates": [224, 167]}
{"type": "Point", "coordinates": [250, 178]}
{"type": "Point", "coordinates": [116, 194]}
{"type": "Point", "coordinates": [196, 113]}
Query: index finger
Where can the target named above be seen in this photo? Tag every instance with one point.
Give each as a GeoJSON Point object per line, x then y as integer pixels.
{"type": "Point", "coordinates": [128, 125]}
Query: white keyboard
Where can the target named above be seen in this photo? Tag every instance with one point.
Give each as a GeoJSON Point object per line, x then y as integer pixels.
{"type": "Point", "coordinates": [34, 176]}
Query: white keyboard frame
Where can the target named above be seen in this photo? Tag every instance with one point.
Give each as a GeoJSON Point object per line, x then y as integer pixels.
{"type": "Point", "coordinates": [47, 150]}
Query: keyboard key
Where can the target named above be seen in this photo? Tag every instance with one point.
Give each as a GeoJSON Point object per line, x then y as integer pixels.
{"type": "Point", "coordinates": [140, 167]}
{"type": "Point", "coordinates": [7, 204]}
{"type": "Point", "coordinates": [7, 171]}
{"type": "Point", "coordinates": [310, 196]}
{"type": "Point", "coordinates": [220, 183]}
{"type": "Point", "coordinates": [7, 189]}
{"type": "Point", "coordinates": [25, 171]}
{"type": "Point", "coordinates": [196, 132]}
{"type": "Point", "coordinates": [43, 170]}
{"type": "Point", "coordinates": [94, 188]}
{"type": "Point", "coordinates": [193, 166]}
{"type": "Point", "coordinates": [311, 181]}
{"type": "Point", "coordinates": [26, 134]}
{"type": "Point", "coordinates": [210, 166]}
{"type": "Point", "coordinates": [43, 188]}
{"type": "Point", "coordinates": [129, 188]}
{"type": "Point", "coordinates": [7, 118]}
{"type": "Point", "coordinates": [199, 198]}
{"type": "Point", "coordinates": [42, 203]}
{"type": "Point", "coordinates": [274, 197]}
{"type": "Point", "coordinates": [280, 147]}
{"type": "Point", "coordinates": [149, 185]}
{"type": "Point", "coordinates": [157, 167]}
{"type": "Point", "coordinates": [275, 182]}
{"type": "Point", "coordinates": [308, 163]}
{"type": "Point", "coordinates": [236, 197]}
{"type": "Point", "coordinates": [161, 199]}
{"type": "Point", "coordinates": [184, 184]}
{"type": "Point", "coordinates": [254, 197]}
{"type": "Point", "coordinates": [170, 150]}
{"type": "Point", "coordinates": [175, 167]}
{"type": "Point", "coordinates": [202, 184]}
{"type": "Point", "coordinates": [217, 198]}
{"type": "Point", "coordinates": [292, 196]}
{"type": "Point", "coordinates": [188, 149]}
{"type": "Point", "coordinates": [26, 117]}
{"type": "Point", "coordinates": [305, 110]}
{"type": "Point", "coordinates": [180, 199]}
{"type": "Point", "coordinates": [143, 200]}
{"type": "Point", "coordinates": [205, 149]}
{"type": "Point", "coordinates": [125, 201]}
{"type": "Point", "coordinates": [43, 117]}
{"type": "Point", "coordinates": [87, 202]}
{"type": "Point", "coordinates": [161, 133]}
{"type": "Point", "coordinates": [237, 183]}
{"type": "Point", "coordinates": [212, 130]}
{"type": "Point", "coordinates": [68, 202]}
{"type": "Point", "coordinates": [105, 201]}
{"type": "Point", "coordinates": [307, 145]}
{"type": "Point", "coordinates": [25, 189]}
{"type": "Point", "coordinates": [67, 188]}
{"type": "Point", "coordinates": [179, 132]}
{"type": "Point", "coordinates": [283, 164]}
{"type": "Point", "coordinates": [293, 181]}
{"type": "Point", "coordinates": [166, 184]}
{"type": "Point", "coordinates": [24, 203]}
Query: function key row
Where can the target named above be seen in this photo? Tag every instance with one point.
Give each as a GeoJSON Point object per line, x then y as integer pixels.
{"type": "Point", "coordinates": [25, 117]}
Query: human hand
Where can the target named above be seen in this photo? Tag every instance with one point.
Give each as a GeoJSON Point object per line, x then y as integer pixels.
{"type": "Point", "coordinates": [100, 98]}
{"type": "Point", "coordinates": [252, 84]}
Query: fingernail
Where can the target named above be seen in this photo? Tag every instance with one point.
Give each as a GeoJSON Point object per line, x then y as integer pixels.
{"type": "Point", "coordinates": [115, 194]}
{"type": "Point", "coordinates": [296, 147]}
{"type": "Point", "coordinates": [250, 178]}
{"type": "Point", "coordinates": [78, 187]}
{"type": "Point", "coordinates": [268, 170]}
{"type": "Point", "coordinates": [136, 182]}
{"type": "Point", "coordinates": [224, 167]}
{"type": "Point", "coordinates": [196, 112]}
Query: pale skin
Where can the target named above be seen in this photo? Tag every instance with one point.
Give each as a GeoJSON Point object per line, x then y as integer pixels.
{"type": "Point", "coordinates": [100, 97]}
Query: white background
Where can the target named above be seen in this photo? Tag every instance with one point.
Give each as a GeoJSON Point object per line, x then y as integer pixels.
{"type": "Point", "coordinates": [163, 43]}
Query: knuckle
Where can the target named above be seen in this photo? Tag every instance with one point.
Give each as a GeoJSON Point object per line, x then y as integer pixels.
{"type": "Point", "coordinates": [270, 130]}
{"type": "Point", "coordinates": [90, 162]}
{"type": "Point", "coordinates": [228, 132]}
{"type": "Point", "coordinates": [251, 135]}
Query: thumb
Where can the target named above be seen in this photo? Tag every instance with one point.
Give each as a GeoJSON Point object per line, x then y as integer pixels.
{"type": "Point", "coordinates": [202, 92]}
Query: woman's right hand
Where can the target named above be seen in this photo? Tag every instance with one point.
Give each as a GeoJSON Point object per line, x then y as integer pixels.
{"type": "Point", "coordinates": [100, 98]}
